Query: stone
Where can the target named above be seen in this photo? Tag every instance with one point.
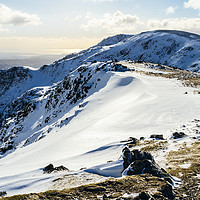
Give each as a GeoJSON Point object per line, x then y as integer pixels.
{"type": "Point", "coordinates": [177, 135]}
{"type": "Point", "coordinates": [144, 196]}
{"type": "Point", "coordinates": [167, 191]}
{"type": "Point", "coordinates": [50, 168]}
{"type": "Point", "coordinates": [127, 157]}
{"type": "Point", "coordinates": [144, 166]}
{"type": "Point", "coordinates": [157, 136]}
{"type": "Point", "coordinates": [141, 155]}
{"type": "Point", "coordinates": [3, 193]}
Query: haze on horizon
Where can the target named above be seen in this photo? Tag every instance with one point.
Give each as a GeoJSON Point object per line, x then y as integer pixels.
{"type": "Point", "coordinates": [57, 27]}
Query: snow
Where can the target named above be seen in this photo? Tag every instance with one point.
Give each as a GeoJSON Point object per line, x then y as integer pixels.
{"type": "Point", "coordinates": [185, 165]}
{"type": "Point", "coordinates": [121, 105]}
{"type": "Point", "coordinates": [126, 104]}
{"type": "Point", "coordinates": [130, 195]}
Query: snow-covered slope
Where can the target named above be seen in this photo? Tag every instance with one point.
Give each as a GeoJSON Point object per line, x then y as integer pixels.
{"type": "Point", "coordinates": [173, 48]}
{"type": "Point", "coordinates": [76, 111]}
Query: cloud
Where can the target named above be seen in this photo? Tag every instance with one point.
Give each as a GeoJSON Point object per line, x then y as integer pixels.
{"type": "Point", "coordinates": [195, 4]}
{"type": "Point", "coordinates": [112, 23]}
{"type": "Point", "coordinates": [185, 24]}
{"type": "Point", "coordinates": [119, 22]}
{"type": "Point", "coordinates": [170, 10]}
{"type": "Point", "coordinates": [9, 16]}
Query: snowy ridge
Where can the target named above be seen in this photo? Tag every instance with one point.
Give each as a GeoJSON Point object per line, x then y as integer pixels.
{"type": "Point", "coordinates": [76, 111]}
{"type": "Point", "coordinates": [172, 48]}
{"type": "Point", "coordinates": [51, 102]}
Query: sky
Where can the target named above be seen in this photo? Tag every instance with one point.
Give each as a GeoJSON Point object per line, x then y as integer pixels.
{"type": "Point", "coordinates": [32, 27]}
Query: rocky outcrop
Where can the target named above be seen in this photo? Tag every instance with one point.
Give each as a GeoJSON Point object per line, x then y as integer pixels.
{"type": "Point", "coordinates": [50, 168]}
{"type": "Point", "coordinates": [177, 135]}
{"type": "Point", "coordinates": [140, 162]}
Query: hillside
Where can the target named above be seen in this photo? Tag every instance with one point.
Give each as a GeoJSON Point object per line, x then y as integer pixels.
{"type": "Point", "coordinates": [77, 111]}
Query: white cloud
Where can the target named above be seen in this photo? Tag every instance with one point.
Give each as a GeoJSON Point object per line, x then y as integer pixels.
{"type": "Point", "coordinates": [170, 10]}
{"type": "Point", "coordinates": [185, 24]}
{"type": "Point", "coordinates": [112, 23]}
{"type": "Point", "coordinates": [9, 16]}
{"type": "Point", "coordinates": [195, 4]}
{"type": "Point", "coordinates": [119, 22]}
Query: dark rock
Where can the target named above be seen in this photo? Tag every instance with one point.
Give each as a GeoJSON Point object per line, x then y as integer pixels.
{"type": "Point", "coordinates": [142, 155]}
{"type": "Point", "coordinates": [127, 157]}
{"type": "Point", "coordinates": [130, 157]}
{"type": "Point", "coordinates": [156, 136]}
{"type": "Point", "coordinates": [50, 168]}
{"type": "Point", "coordinates": [167, 191]}
{"type": "Point", "coordinates": [144, 166]}
{"type": "Point", "coordinates": [142, 138]}
{"type": "Point", "coordinates": [3, 193]}
{"type": "Point", "coordinates": [60, 168]}
{"type": "Point", "coordinates": [132, 140]}
{"type": "Point", "coordinates": [144, 196]}
{"type": "Point", "coordinates": [177, 135]}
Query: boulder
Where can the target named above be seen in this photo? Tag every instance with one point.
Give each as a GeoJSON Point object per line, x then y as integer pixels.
{"type": "Point", "coordinates": [3, 193]}
{"type": "Point", "coordinates": [157, 136]}
{"type": "Point", "coordinates": [140, 162]}
{"type": "Point", "coordinates": [143, 166]}
{"type": "Point", "coordinates": [141, 155]}
{"type": "Point", "coordinates": [167, 191]}
{"type": "Point", "coordinates": [127, 157]}
{"type": "Point", "coordinates": [144, 196]}
{"type": "Point", "coordinates": [177, 135]}
{"type": "Point", "coordinates": [50, 168]}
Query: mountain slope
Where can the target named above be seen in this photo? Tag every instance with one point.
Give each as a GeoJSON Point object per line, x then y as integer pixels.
{"type": "Point", "coordinates": [172, 48]}
{"type": "Point", "coordinates": [76, 111]}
